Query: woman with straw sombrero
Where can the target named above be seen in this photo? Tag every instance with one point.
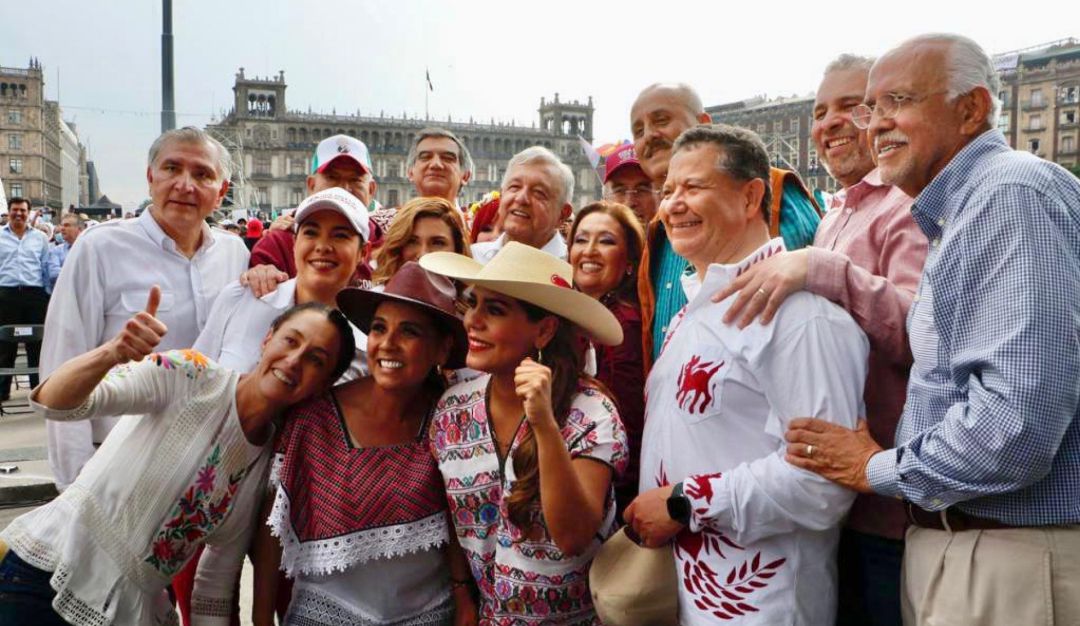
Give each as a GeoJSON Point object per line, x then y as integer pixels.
{"type": "Point", "coordinates": [528, 450]}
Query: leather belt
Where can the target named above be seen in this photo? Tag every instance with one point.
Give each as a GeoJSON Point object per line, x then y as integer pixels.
{"type": "Point", "coordinates": [3, 549]}
{"type": "Point", "coordinates": [956, 519]}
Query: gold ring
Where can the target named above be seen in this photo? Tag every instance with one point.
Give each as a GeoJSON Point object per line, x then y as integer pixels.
{"type": "Point", "coordinates": [761, 292]}
{"type": "Point", "coordinates": [810, 451]}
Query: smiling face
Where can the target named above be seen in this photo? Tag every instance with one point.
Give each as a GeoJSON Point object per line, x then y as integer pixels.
{"type": "Point", "coordinates": [598, 254]}
{"type": "Point", "coordinates": [185, 186]}
{"type": "Point", "coordinates": [437, 171]}
{"type": "Point", "coordinates": [17, 215]}
{"type": "Point", "coordinates": [709, 216]}
{"type": "Point", "coordinates": [843, 147]}
{"type": "Point", "coordinates": [430, 234]}
{"type": "Point", "coordinates": [326, 252]}
{"type": "Point", "coordinates": [298, 358]}
{"type": "Point", "coordinates": [529, 210]}
{"type": "Point", "coordinates": [657, 119]}
{"type": "Point", "coordinates": [404, 345]}
{"type": "Point", "coordinates": [346, 174]}
{"type": "Point", "coordinates": [500, 333]}
{"type": "Point", "coordinates": [926, 133]}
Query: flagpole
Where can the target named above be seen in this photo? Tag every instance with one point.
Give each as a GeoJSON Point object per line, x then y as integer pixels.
{"type": "Point", "coordinates": [427, 90]}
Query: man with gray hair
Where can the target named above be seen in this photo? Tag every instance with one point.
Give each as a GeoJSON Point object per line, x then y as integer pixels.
{"type": "Point", "coordinates": [108, 276]}
{"type": "Point", "coordinates": [987, 451]}
{"type": "Point", "coordinates": [535, 198]}
{"type": "Point", "coordinates": [867, 257]}
{"type": "Point", "coordinates": [753, 537]}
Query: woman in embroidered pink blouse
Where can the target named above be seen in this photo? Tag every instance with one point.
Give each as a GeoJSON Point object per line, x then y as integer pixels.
{"type": "Point", "coordinates": [359, 508]}
{"type": "Point", "coordinates": [528, 451]}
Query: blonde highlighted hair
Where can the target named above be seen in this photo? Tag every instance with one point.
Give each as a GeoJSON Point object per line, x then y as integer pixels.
{"type": "Point", "coordinates": [389, 259]}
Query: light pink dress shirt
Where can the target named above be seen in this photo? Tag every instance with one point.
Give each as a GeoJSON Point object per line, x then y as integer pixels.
{"type": "Point", "coordinates": [868, 255]}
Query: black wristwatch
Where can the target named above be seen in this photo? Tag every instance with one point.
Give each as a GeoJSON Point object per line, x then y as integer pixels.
{"type": "Point", "coordinates": [678, 505]}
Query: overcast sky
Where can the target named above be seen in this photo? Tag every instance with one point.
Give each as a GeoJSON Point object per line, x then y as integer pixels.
{"type": "Point", "coordinates": [487, 59]}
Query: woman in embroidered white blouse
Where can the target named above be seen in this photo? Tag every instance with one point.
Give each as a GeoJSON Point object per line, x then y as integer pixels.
{"type": "Point", "coordinates": [184, 470]}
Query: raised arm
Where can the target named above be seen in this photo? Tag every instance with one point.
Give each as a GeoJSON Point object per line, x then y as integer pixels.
{"type": "Point", "coordinates": [572, 490]}
{"type": "Point", "coordinates": [72, 383]}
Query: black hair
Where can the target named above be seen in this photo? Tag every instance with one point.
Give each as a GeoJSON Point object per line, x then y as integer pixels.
{"type": "Point", "coordinates": [742, 154]}
{"type": "Point", "coordinates": [346, 341]}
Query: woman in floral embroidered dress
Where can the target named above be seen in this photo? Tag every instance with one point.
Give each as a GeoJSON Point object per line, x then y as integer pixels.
{"type": "Point", "coordinates": [360, 508]}
{"type": "Point", "coordinates": [185, 469]}
{"type": "Point", "coordinates": [528, 451]}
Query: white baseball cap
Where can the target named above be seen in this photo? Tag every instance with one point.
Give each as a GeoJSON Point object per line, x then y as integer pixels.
{"type": "Point", "coordinates": [340, 146]}
{"type": "Point", "coordinates": [335, 199]}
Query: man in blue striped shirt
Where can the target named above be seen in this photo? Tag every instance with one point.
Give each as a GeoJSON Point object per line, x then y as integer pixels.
{"type": "Point", "coordinates": [988, 449]}
{"type": "Point", "coordinates": [24, 260]}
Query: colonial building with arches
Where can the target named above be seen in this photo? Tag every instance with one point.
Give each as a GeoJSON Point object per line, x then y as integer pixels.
{"type": "Point", "coordinates": [274, 145]}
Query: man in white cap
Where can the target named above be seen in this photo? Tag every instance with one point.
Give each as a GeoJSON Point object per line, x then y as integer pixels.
{"type": "Point", "coordinates": [339, 161]}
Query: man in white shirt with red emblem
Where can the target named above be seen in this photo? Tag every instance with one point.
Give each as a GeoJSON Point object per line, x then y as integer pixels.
{"type": "Point", "coordinates": [107, 277]}
{"type": "Point", "coordinates": [754, 538]}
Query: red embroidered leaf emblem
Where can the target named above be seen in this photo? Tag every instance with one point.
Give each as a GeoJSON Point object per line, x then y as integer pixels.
{"type": "Point", "coordinates": [700, 487]}
{"type": "Point", "coordinates": [742, 581]}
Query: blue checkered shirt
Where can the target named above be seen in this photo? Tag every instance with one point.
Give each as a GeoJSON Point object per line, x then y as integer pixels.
{"type": "Point", "coordinates": [990, 424]}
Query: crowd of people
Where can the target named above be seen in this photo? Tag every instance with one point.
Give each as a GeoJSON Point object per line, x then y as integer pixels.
{"type": "Point", "coordinates": [765, 411]}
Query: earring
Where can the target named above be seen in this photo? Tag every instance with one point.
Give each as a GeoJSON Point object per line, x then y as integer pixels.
{"type": "Point", "coordinates": [540, 356]}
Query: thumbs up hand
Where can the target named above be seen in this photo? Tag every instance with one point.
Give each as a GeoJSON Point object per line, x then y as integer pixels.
{"type": "Point", "coordinates": [141, 334]}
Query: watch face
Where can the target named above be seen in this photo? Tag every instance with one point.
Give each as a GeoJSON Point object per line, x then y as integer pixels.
{"type": "Point", "coordinates": [679, 508]}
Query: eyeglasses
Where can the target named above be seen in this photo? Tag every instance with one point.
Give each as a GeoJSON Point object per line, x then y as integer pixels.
{"type": "Point", "coordinates": [621, 194]}
{"type": "Point", "coordinates": [887, 107]}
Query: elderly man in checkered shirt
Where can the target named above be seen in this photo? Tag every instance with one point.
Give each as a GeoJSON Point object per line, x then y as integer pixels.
{"type": "Point", "coordinates": [987, 452]}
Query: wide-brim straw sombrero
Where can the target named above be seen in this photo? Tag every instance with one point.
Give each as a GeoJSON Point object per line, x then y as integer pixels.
{"type": "Point", "coordinates": [536, 277]}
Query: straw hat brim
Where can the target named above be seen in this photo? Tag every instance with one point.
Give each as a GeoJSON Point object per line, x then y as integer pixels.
{"type": "Point", "coordinates": [587, 313]}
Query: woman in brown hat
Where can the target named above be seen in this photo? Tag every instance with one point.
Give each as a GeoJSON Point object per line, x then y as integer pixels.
{"type": "Point", "coordinates": [528, 451]}
{"type": "Point", "coordinates": [360, 508]}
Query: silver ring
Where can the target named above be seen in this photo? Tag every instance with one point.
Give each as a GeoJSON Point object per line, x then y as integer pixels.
{"type": "Point", "coordinates": [810, 451]}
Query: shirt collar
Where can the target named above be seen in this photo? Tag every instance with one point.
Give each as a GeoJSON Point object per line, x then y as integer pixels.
{"type": "Point", "coordinates": [719, 275]}
{"type": "Point", "coordinates": [932, 203]}
{"type": "Point", "coordinates": [284, 297]}
{"type": "Point", "coordinates": [850, 197]}
{"type": "Point", "coordinates": [163, 240]}
{"type": "Point", "coordinates": [556, 246]}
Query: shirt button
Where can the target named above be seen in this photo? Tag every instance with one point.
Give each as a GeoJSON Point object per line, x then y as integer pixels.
{"type": "Point", "coordinates": [936, 242]}
{"type": "Point", "coordinates": [941, 222]}
{"type": "Point", "coordinates": [916, 298]}
{"type": "Point", "coordinates": [663, 329]}
{"type": "Point", "coordinates": [848, 211]}
{"type": "Point", "coordinates": [936, 502]}
{"type": "Point", "coordinates": [668, 285]}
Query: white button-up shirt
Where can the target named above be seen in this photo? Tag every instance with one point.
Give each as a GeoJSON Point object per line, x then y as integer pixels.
{"type": "Point", "coordinates": [761, 545]}
{"type": "Point", "coordinates": [106, 280]}
{"type": "Point", "coordinates": [484, 252]}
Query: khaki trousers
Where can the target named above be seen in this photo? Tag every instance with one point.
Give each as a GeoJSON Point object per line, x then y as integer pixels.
{"type": "Point", "coordinates": [1008, 577]}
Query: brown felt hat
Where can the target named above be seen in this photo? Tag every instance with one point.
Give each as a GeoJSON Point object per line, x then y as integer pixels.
{"type": "Point", "coordinates": [411, 284]}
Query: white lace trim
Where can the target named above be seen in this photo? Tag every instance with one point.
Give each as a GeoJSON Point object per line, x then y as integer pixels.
{"type": "Point", "coordinates": [312, 608]}
{"type": "Point", "coordinates": [326, 556]}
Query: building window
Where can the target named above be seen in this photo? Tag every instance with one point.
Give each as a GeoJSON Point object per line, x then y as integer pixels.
{"type": "Point", "coordinates": [1036, 122]}
{"type": "Point", "coordinates": [1068, 117]}
{"type": "Point", "coordinates": [392, 198]}
{"type": "Point", "coordinates": [14, 116]}
{"type": "Point", "coordinates": [1003, 122]}
{"type": "Point", "coordinates": [296, 166]}
{"type": "Point", "coordinates": [297, 196]}
{"type": "Point", "coordinates": [812, 164]}
{"type": "Point", "coordinates": [760, 128]}
{"type": "Point", "coordinates": [1033, 146]}
{"type": "Point", "coordinates": [1003, 97]}
{"type": "Point", "coordinates": [1036, 97]}
{"type": "Point", "coordinates": [14, 141]}
{"type": "Point", "coordinates": [15, 166]}
{"type": "Point", "coordinates": [262, 165]}
{"type": "Point", "coordinates": [1070, 95]}
{"type": "Point", "coordinates": [16, 189]}
{"type": "Point", "coordinates": [795, 125]}
{"type": "Point", "coordinates": [1067, 145]}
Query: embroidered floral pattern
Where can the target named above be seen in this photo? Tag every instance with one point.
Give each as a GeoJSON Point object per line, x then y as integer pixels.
{"type": "Point", "coordinates": [506, 564]}
{"type": "Point", "coordinates": [191, 362]}
{"type": "Point", "coordinates": [194, 517]}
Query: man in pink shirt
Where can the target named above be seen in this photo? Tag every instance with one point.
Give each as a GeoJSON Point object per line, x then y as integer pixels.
{"type": "Point", "coordinates": [867, 257]}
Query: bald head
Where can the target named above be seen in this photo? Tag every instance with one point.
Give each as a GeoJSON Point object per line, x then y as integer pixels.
{"type": "Point", "coordinates": [660, 114]}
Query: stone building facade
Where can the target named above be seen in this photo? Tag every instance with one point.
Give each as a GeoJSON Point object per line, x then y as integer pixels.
{"type": "Point", "coordinates": [274, 145]}
{"type": "Point", "coordinates": [1040, 94]}
{"type": "Point", "coordinates": [41, 158]}
{"type": "Point", "coordinates": [784, 125]}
